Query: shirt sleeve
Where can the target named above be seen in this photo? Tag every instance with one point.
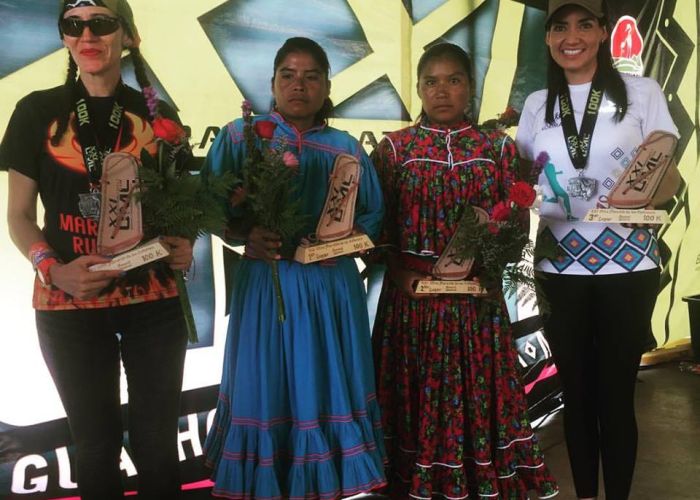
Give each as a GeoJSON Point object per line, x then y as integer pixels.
{"type": "Point", "coordinates": [23, 141]}
{"type": "Point", "coordinates": [525, 136]}
{"type": "Point", "coordinates": [226, 154]}
{"type": "Point", "coordinates": [384, 159]}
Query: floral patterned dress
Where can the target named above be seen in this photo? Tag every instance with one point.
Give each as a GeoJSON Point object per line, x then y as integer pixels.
{"type": "Point", "coordinates": [453, 409]}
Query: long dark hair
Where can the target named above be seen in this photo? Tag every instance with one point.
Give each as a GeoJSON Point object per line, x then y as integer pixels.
{"type": "Point", "coordinates": [453, 53]}
{"type": "Point", "coordinates": [71, 85]}
{"type": "Point", "coordinates": [612, 80]}
{"type": "Point", "coordinates": [307, 46]}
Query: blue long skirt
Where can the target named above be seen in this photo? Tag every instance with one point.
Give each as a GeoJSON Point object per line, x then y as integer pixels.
{"type": "Point", "coordinates": [297, 416]}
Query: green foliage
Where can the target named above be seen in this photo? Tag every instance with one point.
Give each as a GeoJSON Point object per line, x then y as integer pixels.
{"type": "Point", "coordinates": [271, 190]}
{"type": "Point", "coordinates": [271, 187]}
{"type": "Point", "coordinates": [176, 202]}
{"type": "Point", "coordinates": [503, 253]}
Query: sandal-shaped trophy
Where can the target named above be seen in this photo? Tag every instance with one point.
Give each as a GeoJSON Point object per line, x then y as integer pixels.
{"type": "Point", "coordinates": [120, 226]}
{"type": "Point", "coordinates": [650, 180]}
{"type": "Point", "coordinates": [335, 234]}
{"type": "Point", "coordinates": [450, 272]}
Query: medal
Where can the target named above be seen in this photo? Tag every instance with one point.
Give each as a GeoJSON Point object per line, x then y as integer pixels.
{"type": "Point", "coordinates": [583, 188]}
{"type": "Point", "coordinates": [89, 205]}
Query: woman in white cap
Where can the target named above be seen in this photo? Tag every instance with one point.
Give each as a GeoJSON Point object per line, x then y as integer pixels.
{"type": "Point", "coordinates": [585, 128]}
{"type": "Point", "coordinates": [87, 320]}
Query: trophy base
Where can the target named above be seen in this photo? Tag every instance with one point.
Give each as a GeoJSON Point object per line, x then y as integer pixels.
{"type": "Point", "coordinates": [465, 287]}
{"type": "Point", "coordinates": [307, 254]}
{"type": "Point", "coordinates": [626, 215]}
{"type": "Point", "coordinates": [150, 251]}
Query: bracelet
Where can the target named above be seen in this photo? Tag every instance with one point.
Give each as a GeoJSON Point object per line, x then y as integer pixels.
{"type": "Point", "coordinates": [42, 257]}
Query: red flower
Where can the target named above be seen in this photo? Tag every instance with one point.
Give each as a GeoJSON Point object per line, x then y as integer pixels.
{"type": "Point", "coordinates": [501, 211]}
{"type": "Point", "coordinates": [264, 129]}
{"type": "Point", "coordinates": [168, 130]}
{"type": "Point", "coordinates": [493, 228]}
{"type": "Point", "coordinates": [522, 194]}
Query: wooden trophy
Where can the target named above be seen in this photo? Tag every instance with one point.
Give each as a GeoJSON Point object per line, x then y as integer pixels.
{"type": "Point", "coordinates": [450, 272]}
{"type": "Point", "coordinates": [651, 178]}
{"type": "Point", "coordinates": [334, 233]}
{"type": "Point", "coordinates": [120, 227]}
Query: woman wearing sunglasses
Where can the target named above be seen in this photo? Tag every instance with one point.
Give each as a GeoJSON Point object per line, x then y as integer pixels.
{"type": "Point", "coordinates": [86, 321]}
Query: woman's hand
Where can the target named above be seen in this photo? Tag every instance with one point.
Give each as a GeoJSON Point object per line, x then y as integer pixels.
{"type": "Point", "coordinates": [406, 280]}
{"type": "Point", "coordinates": [180, 258]}
{"type": "Point", "coordinates": [263, 244]}
{"type": "Point", "coordinates": [76, 279]}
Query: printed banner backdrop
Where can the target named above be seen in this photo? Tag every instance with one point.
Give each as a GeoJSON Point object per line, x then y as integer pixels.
{"type": "Point", "coordinates": [206, 56]}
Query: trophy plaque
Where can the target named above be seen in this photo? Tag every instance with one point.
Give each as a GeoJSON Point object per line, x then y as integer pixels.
{"type": "Point", "coordinates": [651, 178]}
{"type": "Point", "coordinates": [450, 272]}
{"type": "Point", "coordinates": [334, 233]}
{"type": "Point", "coordinates": [120, 229]}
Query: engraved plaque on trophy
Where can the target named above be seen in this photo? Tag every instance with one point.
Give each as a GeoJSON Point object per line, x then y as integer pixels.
{"type": "Point", "coordinates": [450, 271]}
{"type": "Point", "coordinates": [120, 227]}
{"type": "Point", "coordinates": [334, 233]}
{"type": "Point", "coordinates": [651, 178]}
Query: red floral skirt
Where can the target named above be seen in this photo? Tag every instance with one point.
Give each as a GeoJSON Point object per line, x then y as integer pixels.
{"type": "Point", "coordinates": [453, 409]}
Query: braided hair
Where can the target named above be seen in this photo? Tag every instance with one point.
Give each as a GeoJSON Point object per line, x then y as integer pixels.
{"type": "Point", "coordinates": [71, 85]}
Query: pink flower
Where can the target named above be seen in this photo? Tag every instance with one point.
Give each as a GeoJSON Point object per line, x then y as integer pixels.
{"type": "Point", "coordinates": [522, 194]}
{"type": "Point", "coordinates": [246, 108]}
{"type": "Point", "coordinates": [238, 196]}
{"type": "Point", "coordinates": [290, 160]}
{"type": "Point", "coordinates": [501, 211]}
{"type": "Point", "coordinates": [168, 130]}
{"type": "Point", "coordinates": [265, 129]}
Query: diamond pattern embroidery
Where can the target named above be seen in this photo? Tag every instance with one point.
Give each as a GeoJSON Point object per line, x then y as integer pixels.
{"type": "Point", "coordinates": [653, 252]}
{"type": "Point", "coordinates": [562, 262]}
{"type": "Point", "coordinates": [574, 243]}
{"type": "Point", "coordinates": [608, 242]}
{"type": "Point", "coordinates": [593, 260]}
{"type": "Point", "coordinates": [629, 257]}
{"type": "Point", "coordinates": [640, 238]}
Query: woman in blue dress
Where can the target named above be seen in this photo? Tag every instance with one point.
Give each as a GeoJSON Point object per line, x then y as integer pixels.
{"type": "Point", "coordinates": [297, 415]}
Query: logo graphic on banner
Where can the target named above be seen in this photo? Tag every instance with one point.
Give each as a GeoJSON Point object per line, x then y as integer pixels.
{"type": "Point", "coordinates": [626, 46]}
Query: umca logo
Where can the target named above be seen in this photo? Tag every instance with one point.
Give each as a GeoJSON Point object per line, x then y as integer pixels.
{"type": "Point", "coordinates": [626, 46]}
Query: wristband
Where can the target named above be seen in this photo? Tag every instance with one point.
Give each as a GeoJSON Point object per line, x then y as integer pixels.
{"type": "Point", "coordinates": [42, 257]}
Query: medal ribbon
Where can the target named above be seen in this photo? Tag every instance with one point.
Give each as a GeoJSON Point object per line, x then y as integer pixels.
{"type": "Point", "coordinates": [578, 144]}
{"type": "Point", "coordinates": [93, 151]}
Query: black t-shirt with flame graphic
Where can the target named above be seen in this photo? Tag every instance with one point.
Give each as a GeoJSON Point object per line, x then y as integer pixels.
{"type": "Point", "coordinates": [61, 176]}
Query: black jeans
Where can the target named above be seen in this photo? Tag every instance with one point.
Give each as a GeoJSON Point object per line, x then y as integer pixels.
{"type": "Point", "coordinates": [82, 351]}
{"type": "Point", "coordinates": [597, 330]}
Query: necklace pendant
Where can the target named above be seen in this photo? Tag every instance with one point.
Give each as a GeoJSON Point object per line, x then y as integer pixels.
{"type": "Point", "coordinates": [583, 188]}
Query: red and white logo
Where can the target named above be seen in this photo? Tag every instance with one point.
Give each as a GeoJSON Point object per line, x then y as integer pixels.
{"type": "Point", "coordinates": [626, 46]}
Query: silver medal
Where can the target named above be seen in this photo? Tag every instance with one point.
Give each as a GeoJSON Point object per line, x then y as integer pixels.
{"type": "Point", "coordinates": [583, 188]}
{"type": "Point", "coordinates": [89, 205]}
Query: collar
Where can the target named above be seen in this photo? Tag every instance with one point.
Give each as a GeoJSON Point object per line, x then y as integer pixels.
{"type": "Point", "coordinates": [444, 129]}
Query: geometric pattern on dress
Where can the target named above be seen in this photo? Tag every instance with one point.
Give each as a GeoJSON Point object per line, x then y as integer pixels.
{"type": "Point", "coordinates": [562, 261]}
{"type": "Point", "coordinates": [608, 242]}
{"type": "Point", "coordinates": [629, 257]}
{"type": "Point", "coordinates": [654, 253]}
{"type": "Point", "coordinates": [640, 238]}
{"type": "Point", "coordinates": [574, 243]}
{"type": "Point", "coordinates": [593, 260]}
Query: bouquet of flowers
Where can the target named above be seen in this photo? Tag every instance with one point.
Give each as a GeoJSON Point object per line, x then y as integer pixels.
{"type": "Point", "coordinates": [509, 118]}
{"type": "Point", "coordinates": [269, 188]}
{"type": "Point", "coordinates": [174, 201]}
{"type": "Point", "coordinates": [502, 246]}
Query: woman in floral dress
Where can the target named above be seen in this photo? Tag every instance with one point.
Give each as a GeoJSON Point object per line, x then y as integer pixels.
{"type": "Point", "coordinates": [453, 410]}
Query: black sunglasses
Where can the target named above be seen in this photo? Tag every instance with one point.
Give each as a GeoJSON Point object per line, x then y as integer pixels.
{"type": "Point", "coordinates": [99, 26]}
